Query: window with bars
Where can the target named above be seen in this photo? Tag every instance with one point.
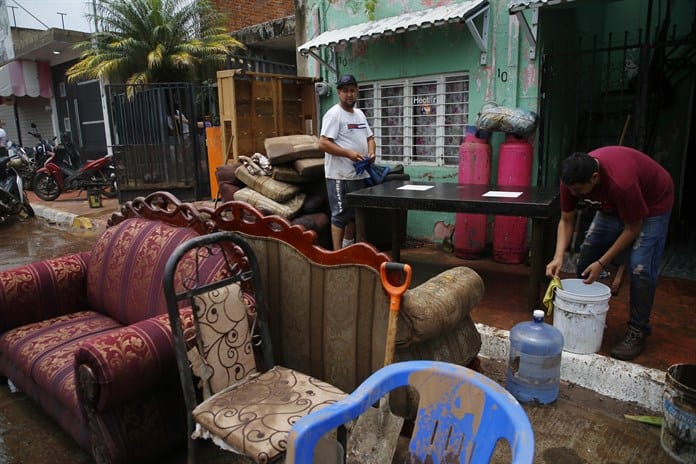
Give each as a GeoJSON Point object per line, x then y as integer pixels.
{"type": "Point", "coordinates": [419, 120]}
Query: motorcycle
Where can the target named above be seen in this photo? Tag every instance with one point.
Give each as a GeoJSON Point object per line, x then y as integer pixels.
{"type": "Point", "coordinates": [55, 177]}
{"type": "Point", "coordinates": [13, 200]}
{"type": "Point", "coordinates": [27, 170]}
{"type": "Point", "coordinates": [42, 148]}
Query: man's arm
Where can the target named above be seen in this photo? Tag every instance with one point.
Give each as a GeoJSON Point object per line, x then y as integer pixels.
{"type": "Point", "coordinates": [329, 146]}
{"type": "Point", "coordinates": [566, 225]}
{"type": "Point", "coordinates": [371, 148]}
{"type": "Point", "coordinates": [627, 236]}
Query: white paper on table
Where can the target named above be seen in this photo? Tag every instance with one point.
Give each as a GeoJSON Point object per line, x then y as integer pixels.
{"type": "Point", "coordinates": [415, 187]}
{"type": "Point", "coordinates": [496, 193]}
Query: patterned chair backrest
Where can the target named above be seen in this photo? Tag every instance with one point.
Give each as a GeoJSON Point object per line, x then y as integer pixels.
{"type": "Point", "coordinates": [224, 342]}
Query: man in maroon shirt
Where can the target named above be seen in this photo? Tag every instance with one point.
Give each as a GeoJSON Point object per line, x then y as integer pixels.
{"type": "Point", "coordinates": [633, 196]}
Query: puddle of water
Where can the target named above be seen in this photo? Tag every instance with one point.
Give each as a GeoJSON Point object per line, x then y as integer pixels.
{"type": "Point", "coordinates": [33, 239]}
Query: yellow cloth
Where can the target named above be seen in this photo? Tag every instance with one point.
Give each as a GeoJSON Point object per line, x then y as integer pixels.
{"type": "Point", "coordinates": [550, 292]}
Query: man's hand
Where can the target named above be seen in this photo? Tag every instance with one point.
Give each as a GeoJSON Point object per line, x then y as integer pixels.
{"type": "Point", "coordinates": [354, 156]}
{"type": "Point", "coordinates": [592, 272]}
{"type": "Point", "coordinates": [554, 267]}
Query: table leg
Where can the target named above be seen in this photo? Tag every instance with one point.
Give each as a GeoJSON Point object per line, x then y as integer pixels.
{"type": "Point", "coordinates": [537, 268]}
{"type": "Point", "coordinates": [360, 230]}
{"type": "Point", "coordinates": [395, 235]}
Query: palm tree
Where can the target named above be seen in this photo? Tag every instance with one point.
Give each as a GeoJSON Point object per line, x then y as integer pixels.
{"type": "Point", "coordinates": [145, 41]}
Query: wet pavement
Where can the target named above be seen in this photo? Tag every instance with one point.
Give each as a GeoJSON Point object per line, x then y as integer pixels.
{"type": "Point", "coordinates": [32, 239]}
{"type": "Point", "coordinates": [580, 427]}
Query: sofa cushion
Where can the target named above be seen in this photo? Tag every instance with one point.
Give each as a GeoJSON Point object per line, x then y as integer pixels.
{"type": "Point", "coordinates": [314, 221]}
{"type": "Point", "coordinates": [254, 417]}
{"type": "Point", "coordinates": [274, 189]}
{"type": "Point", "coordinates": [311, 167]}
{"type": "Point", "coordinates": [227, 191]}
{"type": "Point", "coordinates": [288, 210]}
{"type": "Point", "coordinates": [287, 148]}
{"type": "Point", "coordinates": [226, 174]}
{"type": "Point", "coordinates": [60, 281]}
{"type": "Point", "coordinates": [124, 278]}
{"type": "Point", "coordinates": [287, 173]}
{"type": "Point", "coordinates": [45, 351]}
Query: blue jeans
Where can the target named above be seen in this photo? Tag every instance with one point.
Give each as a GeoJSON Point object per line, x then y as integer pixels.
{"type": "Point", "coordinates": [644, 257]}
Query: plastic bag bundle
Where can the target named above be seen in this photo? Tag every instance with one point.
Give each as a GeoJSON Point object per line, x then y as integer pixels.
{"type": "Point", "coordinates": [517, 121]}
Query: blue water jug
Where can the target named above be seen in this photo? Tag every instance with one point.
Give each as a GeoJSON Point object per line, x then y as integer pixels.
{"type": "Point", "coordinates": [534, 365]}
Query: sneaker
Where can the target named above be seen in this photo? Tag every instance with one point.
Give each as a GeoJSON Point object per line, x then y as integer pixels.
{"type": "Point", "coordinates": [631, 346]}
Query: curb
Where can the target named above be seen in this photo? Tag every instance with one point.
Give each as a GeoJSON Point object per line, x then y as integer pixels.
{"type": "Point", "coordinates": [61, 218]}
{"type": "Point", "coordinates": [620, 380]}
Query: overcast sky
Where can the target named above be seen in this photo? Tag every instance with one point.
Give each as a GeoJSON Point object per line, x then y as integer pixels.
{"type": "Point", "coordinates": [32, 13]}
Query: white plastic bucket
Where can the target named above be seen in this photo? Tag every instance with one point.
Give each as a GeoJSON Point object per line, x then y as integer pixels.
{"type": "Point", "coordinates": [580, 311]}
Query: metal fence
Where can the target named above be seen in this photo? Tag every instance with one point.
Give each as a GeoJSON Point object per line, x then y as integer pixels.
{"type": "Point", "coordinates": [158, 136]}
{"type": "Point", "coordinates": [609, 90]}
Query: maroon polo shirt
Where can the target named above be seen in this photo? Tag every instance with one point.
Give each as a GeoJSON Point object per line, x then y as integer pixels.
{"type": "Point", "coordinates": [631, 185]}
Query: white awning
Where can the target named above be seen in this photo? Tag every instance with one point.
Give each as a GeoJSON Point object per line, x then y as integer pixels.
{"type": "Point", "coordinates": [455, 12]}
{"type": "Point", "coordinates": [30, 78]}
{"type": "Point", "coordinates": [519, 5]}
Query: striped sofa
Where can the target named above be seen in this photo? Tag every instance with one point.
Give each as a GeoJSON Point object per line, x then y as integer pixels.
{"type": "Point", "coordinates": [87, 336]}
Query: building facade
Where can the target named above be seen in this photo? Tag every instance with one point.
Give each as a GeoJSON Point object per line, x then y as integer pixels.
{"type": "Point", "coordinates": [587, 68]}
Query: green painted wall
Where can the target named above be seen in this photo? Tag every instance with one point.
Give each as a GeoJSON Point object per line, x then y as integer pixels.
{"type": "Point", "coordinates": [512, 79]}
{"type": "Point", "coordinates": [509, 77]}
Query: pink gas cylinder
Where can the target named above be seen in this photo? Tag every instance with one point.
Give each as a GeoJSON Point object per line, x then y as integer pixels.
{"type": "Point", "coordinates": [474, 168]}
{"type": "Point", "coordinates": [514, 169]}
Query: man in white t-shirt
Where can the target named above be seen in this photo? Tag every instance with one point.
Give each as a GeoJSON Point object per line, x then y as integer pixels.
{"type": "Point", "coordinates": [346, 138]}
{"type": "Point", "coordinates": [3, 139]}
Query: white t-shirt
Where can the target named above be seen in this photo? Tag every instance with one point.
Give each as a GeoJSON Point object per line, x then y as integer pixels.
{"type": "Point", "coordinates": [3, 137]}
{"type": "Point", "coordinates": [348, 130]}
{"type": "Point", "coordinates": [180, 118]}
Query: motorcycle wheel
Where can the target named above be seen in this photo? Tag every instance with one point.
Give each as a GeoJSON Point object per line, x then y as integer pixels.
{"type": "Point", "coordinates": [27, 207]}
{"type": "Point", "coordinates": [46, 187]}
{"type": "Point", "coordinates": [111, 190]}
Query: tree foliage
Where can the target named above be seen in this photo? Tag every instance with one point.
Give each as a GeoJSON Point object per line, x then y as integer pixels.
{"type": "Point", "coordinates": [144, 41]}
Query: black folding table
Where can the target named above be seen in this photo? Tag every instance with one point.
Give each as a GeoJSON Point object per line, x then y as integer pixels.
{"type": "Point", "coordinates": [541, 204]}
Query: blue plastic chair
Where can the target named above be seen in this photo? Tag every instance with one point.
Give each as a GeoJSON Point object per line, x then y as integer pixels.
{"type": "Point", "coordinates": [461, 412]}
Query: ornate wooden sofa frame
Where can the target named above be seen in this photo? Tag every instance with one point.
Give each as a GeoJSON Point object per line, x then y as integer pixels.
{"type": "Point", "coordinates": [328, 309]}
{"type": "Point", "coordinates": [87, 336]}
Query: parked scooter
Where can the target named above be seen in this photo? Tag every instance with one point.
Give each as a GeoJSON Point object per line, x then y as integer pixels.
{"type": "Point", "coordinates": [27, 170]}
{"type": "Point", "coordinates": [55, 177]}
{"type": "Point", "coordinates": [42, 148]}
{"type": "Point", "coordinates": [13, 200]}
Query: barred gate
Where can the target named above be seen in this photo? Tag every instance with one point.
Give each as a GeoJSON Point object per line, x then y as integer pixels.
{"type": "Point", "coordinates": [610, 90]}
{"type": "Point", "coordinates": [158, 136]}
